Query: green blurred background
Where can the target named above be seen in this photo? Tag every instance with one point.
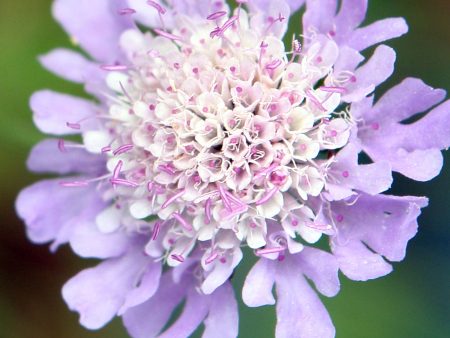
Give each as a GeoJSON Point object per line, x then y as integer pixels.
{"type": "Point", "coordinates": [413, 302]}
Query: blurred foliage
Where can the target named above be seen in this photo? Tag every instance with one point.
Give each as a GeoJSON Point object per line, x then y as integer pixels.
{"type": "Point", "coordinates": [412, 302]}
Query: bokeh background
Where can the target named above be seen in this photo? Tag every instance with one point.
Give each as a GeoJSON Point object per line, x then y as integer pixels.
{"type": "Point", "coordinates": [412, 302]}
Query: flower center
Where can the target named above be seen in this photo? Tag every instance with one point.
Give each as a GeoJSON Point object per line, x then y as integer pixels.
{"type": "Point", "coordinates": [218, 121]}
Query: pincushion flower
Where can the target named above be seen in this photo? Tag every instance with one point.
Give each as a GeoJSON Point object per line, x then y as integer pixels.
{"type": "Point", "coordinates": [206, 133]}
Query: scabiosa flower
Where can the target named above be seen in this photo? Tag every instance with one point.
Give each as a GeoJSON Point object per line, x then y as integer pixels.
{"type": "Point", "coordinates": [205, 134]}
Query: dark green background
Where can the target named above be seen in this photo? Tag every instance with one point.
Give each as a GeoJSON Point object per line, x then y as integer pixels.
{"type": "Point", "coordinates": [413, 302]}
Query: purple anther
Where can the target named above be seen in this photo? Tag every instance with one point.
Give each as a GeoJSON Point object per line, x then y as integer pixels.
{"type": "Point", "coordinates": [170, 200]}
{"type": "Point", "coordinates": [75, 126]}
{"type": "Point", "coordinates": [126, 11]}
{"type": "Point", "coordinates": [61, 146]}
{"type": "Point", "coordinates": [114, 67]}
{"type": "Point", "coordinates": [167, 35]}
{"type": "Point", "coordinates": [340, 90]}
{"type": "Point", "coordinates": [74, 184]}
{"type": "Point", "coordinates": [216, 15]}
{"type": "Point", "coordinates": [182, 221]}
{"type": "Point", "coordinates": [178, 258]}
{"type": "Point", "coordinates": [157, 6]}
{"type": "Point", "coordinates": [123, 149]}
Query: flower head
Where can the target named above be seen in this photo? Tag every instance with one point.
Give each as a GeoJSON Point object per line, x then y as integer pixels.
{"type": "Point", "coordinates": [209, 134]}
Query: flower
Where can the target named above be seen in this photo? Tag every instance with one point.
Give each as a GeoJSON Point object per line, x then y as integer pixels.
{"type": "Point", "coordinates": [205, 134]}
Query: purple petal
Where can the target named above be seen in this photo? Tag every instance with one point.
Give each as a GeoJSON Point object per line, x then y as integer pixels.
{"type": "Point", "coordinates": [431, 131]}
{"type": "Point", "coordinates": [419, 165]}
{"type": "Point", "coordinates": [257, 290]}
{"type": "Point", "coordinates": [371, 178]}
{"type": "Point", "coordinates": [148, 319]}
{"type": "Point", "coordinates": [74, 67]}
{"type": "Point", "coordinates": [52, 111]}
{"type": "Point", "coordinates": [350, 16]}
{"type": "Point", "coordinates": [300, 313]}
{"type": "Point", "coordinates": [322, 268]}
{"type": "Point", "coordinates": [50, 213]}
{"type": "Point", "coordinates": [223, 314]}
{"type": "Point", "coordinates": [263, 17]}
{"type": "Point", "coordinates": [319, 15]}
{"type": "Point", "coordinates": [408, 98]}
{"type": "Point", "coordinates": [68, 64]}
{"type": "Point", "coordinates": [98, 293]}
{"type": "Point", "coordinates": [47, 157]}
{"type": "Point", "coordinates": [348, 59]}
{"type": "Point", "coordinates": [375, 71]}
{"type": "Point", "coordinates": [392, 223]}
{"type": "Point", "coordinates": [357, 262]}
{"type": "Point", "coordinates": [194, 311]}
{"type": "Point", "coordinates": [261, 4]}
{"type": "Point", "coordinates": [95, 25]}
{"type": "Point", "coordinates": [146, 289]}
{"type": "Point", "coordinates": [377, 32]}
{"type": "Point", "coordinates": [412, 149]}
{"type": "Point", "coordinates": [385, 223]}
{"type": "Point", "coordinates": [87, 241]}
{"type": "Point", "coordinates": [221, 272]}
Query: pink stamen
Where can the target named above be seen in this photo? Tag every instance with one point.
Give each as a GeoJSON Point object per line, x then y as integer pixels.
{"type": "Point", "coordinates": [114, 67]}
{"type": "Point", "coordinates": [345, 174]}
{"type": "Point", "coordinates": [267, 196]}
{"type": "Point", "coordinates": [167, 35]}
{"type": "Point", "coordinates": [170, 200]}
{"type": "Point", "coordinates": [182, 221]}
{"type": "Point", "coordinates": [123, 149]}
